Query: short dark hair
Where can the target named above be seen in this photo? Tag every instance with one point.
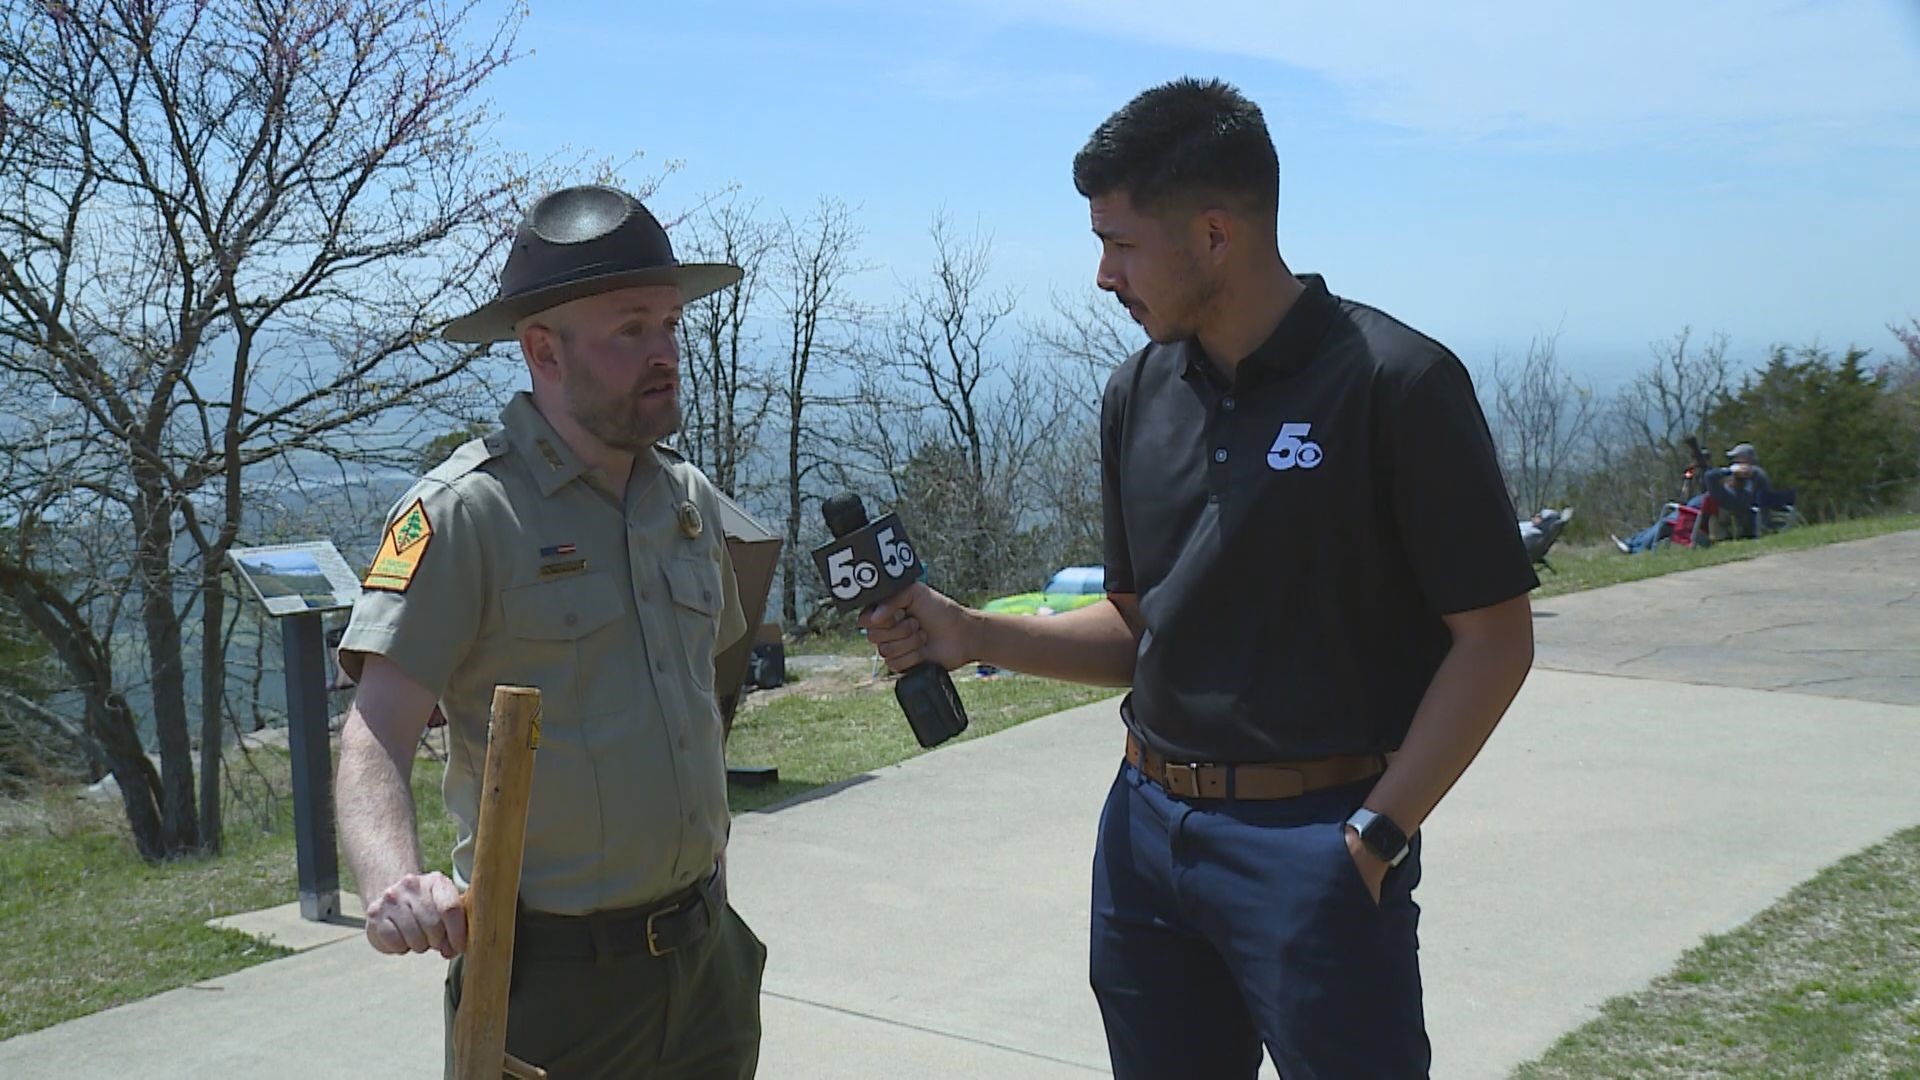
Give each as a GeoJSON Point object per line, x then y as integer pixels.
{"type": "Point", "coordinates": [1181, 144]}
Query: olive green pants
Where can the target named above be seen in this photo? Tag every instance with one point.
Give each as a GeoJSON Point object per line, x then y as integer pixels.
{"type": "Point", "coordinates": [693, 1014]}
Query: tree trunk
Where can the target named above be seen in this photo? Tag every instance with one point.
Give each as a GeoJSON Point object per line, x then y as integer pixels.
{"type": "Point", "coordinates": [789, 578]}
{"type": "Point", "coordinates": [153, 557]}
{"type": "Point", "coordinates": [213, 695]}
{"type": "Point", "coordinates": [111, 721]}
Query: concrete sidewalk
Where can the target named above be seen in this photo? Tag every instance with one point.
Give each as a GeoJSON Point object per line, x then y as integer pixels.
{"type": "Point", "coordinates": [1837, 621]}
{"type": "Point", "coordinates": [930, 921]}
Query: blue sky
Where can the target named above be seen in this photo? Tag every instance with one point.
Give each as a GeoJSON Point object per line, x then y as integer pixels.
{"type": "Point", "coordinates": [1486, 171]}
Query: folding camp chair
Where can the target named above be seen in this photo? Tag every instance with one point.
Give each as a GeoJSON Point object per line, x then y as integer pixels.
{"type": "Point", "coordinates": [1687, 518]}
{"type": "Point", "coordinates": [1550, 530]}
{"type": "Point", "coordinates": [1774, 510]}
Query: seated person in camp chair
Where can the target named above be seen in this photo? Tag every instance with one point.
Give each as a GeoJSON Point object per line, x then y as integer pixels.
{"type": "Point", "coordinates": [1646, 539]}
{"type": "Point", "coordinates": [1538, 533]}
{"type": "Point", "coordinates": [1738, 488]}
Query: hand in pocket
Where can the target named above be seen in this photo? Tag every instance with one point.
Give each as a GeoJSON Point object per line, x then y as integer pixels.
{"type": "Point", "coordinates": [1373, 870]}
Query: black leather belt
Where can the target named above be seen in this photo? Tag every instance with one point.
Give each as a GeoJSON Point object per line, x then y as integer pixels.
{"type": "Point", "coordinates": [655, 929]}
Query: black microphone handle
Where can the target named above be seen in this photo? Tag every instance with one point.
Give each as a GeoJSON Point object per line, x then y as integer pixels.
{"type": "Point", "coordinates": [932, 705]}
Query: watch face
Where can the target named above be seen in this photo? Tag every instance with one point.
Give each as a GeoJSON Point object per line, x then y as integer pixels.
{"type": "Point", "coordinates": [1383, 838]}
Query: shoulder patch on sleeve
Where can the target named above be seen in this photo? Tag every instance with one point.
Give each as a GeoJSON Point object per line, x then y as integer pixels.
{"type": "Point", "coordinates": [401, 550]}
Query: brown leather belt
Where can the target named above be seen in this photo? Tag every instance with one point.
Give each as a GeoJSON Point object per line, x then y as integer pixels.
{"type": "Point", "coordinates": [655, 929]}
{"type": "Point", "coordinates": [1266, 780]}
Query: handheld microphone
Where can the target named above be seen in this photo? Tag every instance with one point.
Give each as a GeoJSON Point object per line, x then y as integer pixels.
{"type": "Point", "coordinates": [864, 564]}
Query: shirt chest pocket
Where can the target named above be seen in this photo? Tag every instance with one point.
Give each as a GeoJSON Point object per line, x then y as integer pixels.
{"type": "Point", "coordinates": [561, 631]}
{"type": "Point", "coordinates": [694, 583]}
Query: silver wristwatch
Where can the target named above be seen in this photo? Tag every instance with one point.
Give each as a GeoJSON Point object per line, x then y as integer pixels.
{"type": "Point", "coordinates": [1380, 835]}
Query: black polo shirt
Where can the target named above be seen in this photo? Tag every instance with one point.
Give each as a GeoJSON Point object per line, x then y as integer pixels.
{"type": "Point", "coordinates": [1295, 537]}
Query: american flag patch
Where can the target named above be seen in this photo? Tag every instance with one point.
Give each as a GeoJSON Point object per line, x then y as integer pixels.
{"type": "Point", "coordinates": [556, 551]}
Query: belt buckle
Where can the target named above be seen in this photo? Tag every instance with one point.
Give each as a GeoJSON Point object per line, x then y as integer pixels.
{"type": "Point", "coordinates": [1183, 779]}
{"type": "Point", "coordinates": [653, 938]}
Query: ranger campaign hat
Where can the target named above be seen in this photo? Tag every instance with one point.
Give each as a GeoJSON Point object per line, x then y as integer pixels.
{"type": "Point", "coordinates": [580, 241]}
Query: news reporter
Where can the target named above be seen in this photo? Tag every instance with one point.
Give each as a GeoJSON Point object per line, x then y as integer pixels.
{"type": "Point", "coordinates": [1316, 594]}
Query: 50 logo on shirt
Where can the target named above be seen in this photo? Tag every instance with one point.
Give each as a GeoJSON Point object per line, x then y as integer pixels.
{"type": "Point", "coordinates": [1291, 450]}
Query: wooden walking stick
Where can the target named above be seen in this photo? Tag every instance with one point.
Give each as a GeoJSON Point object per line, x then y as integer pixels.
{"type": "Point", "coordinates": [493, 891]}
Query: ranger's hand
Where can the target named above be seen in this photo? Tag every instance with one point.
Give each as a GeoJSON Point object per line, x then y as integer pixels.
{"type": "Point", "coordinates": [916, 625]}
{"type": "Point", "coordinates": [417, 913]}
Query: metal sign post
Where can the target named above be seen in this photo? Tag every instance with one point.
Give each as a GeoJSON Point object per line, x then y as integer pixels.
{"type": "Point", "coordinates": [298, 583]}
{"type": "Point", "coordinates": [301, 639]}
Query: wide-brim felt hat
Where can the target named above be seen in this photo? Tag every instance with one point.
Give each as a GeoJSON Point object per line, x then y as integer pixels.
{"type": "Point", "coordinates": [577, 242]}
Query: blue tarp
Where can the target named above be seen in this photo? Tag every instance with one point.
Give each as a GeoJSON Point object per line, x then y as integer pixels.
{"type": "Point", "coordinates": [1081, 580]}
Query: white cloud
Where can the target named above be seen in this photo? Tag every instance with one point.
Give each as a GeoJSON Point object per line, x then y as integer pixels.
{"type": "Point", "coordinates": [1530, 68]}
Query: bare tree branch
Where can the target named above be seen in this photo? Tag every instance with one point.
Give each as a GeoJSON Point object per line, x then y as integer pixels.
{"type": "Point", "coordinates": [816, 258]}
{"type": "Point", "coordinates": [1543, 419]}
{"type": "Point", "coordinates": [730, 386]}
{"type": "Point", "coordinates": [228, 232]}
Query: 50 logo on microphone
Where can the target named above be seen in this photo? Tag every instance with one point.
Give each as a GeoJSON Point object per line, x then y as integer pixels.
{"type": "Point", "coordinates": [845, 578]}
{"type": "Point", "coordinates": [869, 564]}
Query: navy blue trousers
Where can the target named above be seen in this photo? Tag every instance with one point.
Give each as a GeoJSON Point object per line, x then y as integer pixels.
{"type": "Point", "coordinates": [1220, 925]}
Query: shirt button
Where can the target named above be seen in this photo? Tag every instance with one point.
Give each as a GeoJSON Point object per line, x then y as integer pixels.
{"type": "Point", "coordinates": [707, 595]}
{"type": "Point", "coordinates": [692, 820]}
{"type": "Point", "coordinates": [572, 619]}
{"type": "Point", "coordinates": [1213, 496]}
{"type": "Point", "coordinates": [660, 666]}
{"type": "Point", "coordinates": [646, 596]}
{"type": "Point", "coordinates": [1227, 404]}
{"type": "Point", "coordinates": [1220, 455]}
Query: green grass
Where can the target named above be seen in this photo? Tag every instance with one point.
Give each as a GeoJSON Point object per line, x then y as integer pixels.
{"type": "Point", "coordinates": [88, 925]}
{"type": "Point", "coordinates": [1596, 566]}
{"type": "Point", "coordinates": [836, 642]}
{"type": "Point", "coordinates": [1824, 984]}
{"type": "Point", "coordinates": [821, 740]}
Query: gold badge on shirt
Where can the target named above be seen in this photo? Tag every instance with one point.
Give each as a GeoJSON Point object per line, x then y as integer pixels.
{"type": "Point", "coordinates": [690, 523]}
{"type": "Point", "coordinates": [401, 551]}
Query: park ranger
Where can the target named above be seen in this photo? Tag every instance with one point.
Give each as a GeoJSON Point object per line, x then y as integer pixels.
{"type": "Point", "coordinates": [568, 552]}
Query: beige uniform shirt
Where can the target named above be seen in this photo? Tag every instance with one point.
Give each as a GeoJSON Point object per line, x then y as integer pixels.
{"type": "Point", "coordinates": [532, 575]}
